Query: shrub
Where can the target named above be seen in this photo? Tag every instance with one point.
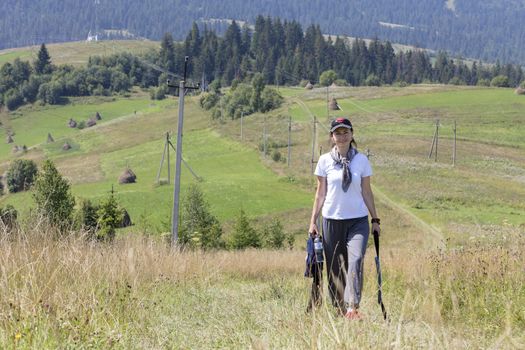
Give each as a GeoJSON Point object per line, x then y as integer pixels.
{"type": "Point", "coordinates": [8, 216]}
{"type": "Point", "coordinates": [199, 228]}
{"type": "Point", "coordinates": [456, 81]}
{"type": "Point", "coordinates": [21, 175]}
{"type": "Point", "coordinates": [271, 99]}
{"type": "Point", "coordinates": [158, 93]}
{"type": "Point", "coordinates": [208, 100]}
{"type": "Point", "coordinates": [52, 196]}
{"type": "Point", "coordinates": [400, 83]}
{"type": "Point", "coordinates": [13, 99]}
{"type": "Point", "coordinates": [373, 80]}
{"type": "Point", "coordinates": [483, 82]}
{"type": "Point", "coordinates": [500, 81]}
{"type": "Point", "coordinates": [86, 216]}
{"type": "Point", "coordinates": [274, 235]}
{"type": "Point", "coordinates": [215, 86]}
{"type": "Point", "coordinates": [276, 155]}
{"type": "Point", "coordinates": [327, 77]}
{"type": "Point", "coordinates": [109, 217]}
{"type": "Point", "coordinates": [238, 102]}
{"type": "Point", "coordinates": [244, 235]}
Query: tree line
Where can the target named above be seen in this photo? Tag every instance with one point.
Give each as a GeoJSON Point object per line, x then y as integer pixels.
{"type": "Point", "coordinates": [281, 51]}
{"type": "Point", "coordinates": [488, 30]}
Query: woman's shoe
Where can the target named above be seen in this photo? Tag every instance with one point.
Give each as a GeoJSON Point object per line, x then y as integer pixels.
{"type": "Point", "coordinates": [353, 314]}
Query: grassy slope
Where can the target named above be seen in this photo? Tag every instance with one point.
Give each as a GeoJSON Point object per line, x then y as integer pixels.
{"type": "Point", "coordinates": [441, 299]}
{"type": "Point", "coordinates": [77, 53]}
{"type": "Point", "coordinates": [485, 187]}
{"type": "Point", "coordinates": [233, 176]}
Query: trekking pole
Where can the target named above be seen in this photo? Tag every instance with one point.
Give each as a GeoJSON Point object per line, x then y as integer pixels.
{"type": "Point", "coordinates": [379, 280]}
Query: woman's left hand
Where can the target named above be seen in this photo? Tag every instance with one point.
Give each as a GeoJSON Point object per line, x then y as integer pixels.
{"type": "Point", "coordinates": [376, 228]}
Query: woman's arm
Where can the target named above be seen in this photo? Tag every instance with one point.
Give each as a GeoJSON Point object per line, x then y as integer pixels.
{"type": "Point", "coordinates": [368, 197]}
{"type": "Point", "coordinates": [320, 196]}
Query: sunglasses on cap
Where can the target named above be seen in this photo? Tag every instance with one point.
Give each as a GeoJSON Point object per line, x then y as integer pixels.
{"type": "Point", "coordinates": [340, 123]}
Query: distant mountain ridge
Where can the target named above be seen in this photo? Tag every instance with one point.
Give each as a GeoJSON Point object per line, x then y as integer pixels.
{"type": "Point", "coordinates": [489, 30]}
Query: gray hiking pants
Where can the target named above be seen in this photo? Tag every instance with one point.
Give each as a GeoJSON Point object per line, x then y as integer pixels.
{"type": "Point", "coordinates": [344, 247]}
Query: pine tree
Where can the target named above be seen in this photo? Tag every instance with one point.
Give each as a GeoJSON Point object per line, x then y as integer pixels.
{"type": "Point", "coordinates": [42, 64]}
{"type": "Point", "coordinates": [258, 87]}
{"type": "Point", "coordinates": [274, 235]}
{"type": "Point", "coordinates": [199, 228]}
{"type": "Point", "coordinates": [52, 195]}
{"type": "Point", "coordinates": [167, 53]}
{"type": "Point", "coordinates": [244, 235]}
{"type": "Point", "coordinates": [109, 217]}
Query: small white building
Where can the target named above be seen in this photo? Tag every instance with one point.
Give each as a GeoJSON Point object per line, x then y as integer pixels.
{"type": "Point", "coordinates": [91, 37]}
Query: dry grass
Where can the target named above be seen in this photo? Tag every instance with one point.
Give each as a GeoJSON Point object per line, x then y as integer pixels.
{"type": "Point", "coordinates": [138, 293]}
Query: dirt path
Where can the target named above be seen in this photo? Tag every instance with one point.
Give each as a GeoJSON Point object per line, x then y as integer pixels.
{"type": "Point", "coordinates": [434, 232]}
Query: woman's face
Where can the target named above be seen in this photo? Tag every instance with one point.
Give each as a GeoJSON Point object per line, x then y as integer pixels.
{"type": "Point", "coordinates": [342, 136]}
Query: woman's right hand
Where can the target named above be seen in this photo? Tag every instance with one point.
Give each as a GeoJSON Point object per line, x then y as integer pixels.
{"type": "Point", "coordinates": [313, 230]}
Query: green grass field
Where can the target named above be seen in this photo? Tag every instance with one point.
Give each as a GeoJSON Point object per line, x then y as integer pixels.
{"type": "Point", "coordinates": [452, 236]}
{"type": "Point", "coordinates": [397, 128]}
{"type": "Point", "coordinates": [77, 53]}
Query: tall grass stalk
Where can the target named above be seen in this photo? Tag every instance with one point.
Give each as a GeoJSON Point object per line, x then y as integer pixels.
{"type": "Point", "coordinates": [138, 292]}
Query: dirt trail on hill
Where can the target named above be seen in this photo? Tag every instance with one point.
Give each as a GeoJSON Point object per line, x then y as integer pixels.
{"type": "Point", "coordinates": [437, 238]}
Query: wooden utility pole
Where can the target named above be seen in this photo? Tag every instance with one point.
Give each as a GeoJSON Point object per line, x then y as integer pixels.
{"type": "Point", "coordinates": [327, 104]}
{"type": "Point", "coordinates": [454, 150]}
{"type": "Point", "coordinates": [289, 140]}
{"type": "Point", "coordinates": [437, 139]}
{"type": "Point", "coordinates": [314, 141]}
{"type": "Point", "coordinates": [242, 117]}
{"type": "Point", "coordinates": [435, 142]}
{"type": "Point", "coordinates": [264, 136]}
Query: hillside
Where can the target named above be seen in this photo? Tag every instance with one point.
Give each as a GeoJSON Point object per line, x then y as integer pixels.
{"type": "Point", "coordinates": [487, 30]}
{"type": "Point", "coordinates": [78, 53]}
{"type": "Point", "coordinates": [452, 236]}
{"type": "Point", "coordinates": [396, 124]}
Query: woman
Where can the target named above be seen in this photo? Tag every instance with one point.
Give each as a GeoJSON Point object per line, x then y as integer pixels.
{"type": "Point", "coordinates": [345, 196]}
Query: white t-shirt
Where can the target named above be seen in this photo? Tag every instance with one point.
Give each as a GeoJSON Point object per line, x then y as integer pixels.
{"type": "Point", "coordinates": [341, 205]}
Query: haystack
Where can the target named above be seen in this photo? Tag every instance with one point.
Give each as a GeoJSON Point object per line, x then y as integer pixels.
{"type": "Point", "coordinates": [309, 86]}
{"type": "Point", "coordinates": [98, 116]}
{"type": "Point", "coordinates": [126, 219]}
{"type": "Point", "coordinates": [66, 146]}
{"type": "Point", "coordinates": [91, 122]}
{"type": "Point", "coordinates": [71, 123]}
{"type": "Point", "coordinates": [50, 138]}
{"type": "Point", "coordinates": [333, 105]}
{"type": "Point", "coordinates": [127, 177]}
{"type": "Point", "coordinates": [520, 91]}
{"type": "Point", "coordinates": [9, 139]}
{"type": "Point", "coordinates": [334, 85]}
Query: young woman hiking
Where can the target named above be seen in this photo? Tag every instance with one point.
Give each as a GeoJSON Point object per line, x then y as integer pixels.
{"type": "Point", "coordinates": [345, 196]}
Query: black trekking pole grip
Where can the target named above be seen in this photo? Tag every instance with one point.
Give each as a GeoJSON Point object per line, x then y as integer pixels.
{"type": "Point", "coordinates": [376, 241]}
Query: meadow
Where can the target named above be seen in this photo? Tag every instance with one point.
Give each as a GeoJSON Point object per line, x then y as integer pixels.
{"type": "Point", "coordinates": [77, 53]}
{"type": "Point", "coordinates": [452, 241]}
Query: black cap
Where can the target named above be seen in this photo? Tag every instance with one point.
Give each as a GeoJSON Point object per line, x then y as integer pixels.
{"type": "Point", "coordinates": [340, 123]}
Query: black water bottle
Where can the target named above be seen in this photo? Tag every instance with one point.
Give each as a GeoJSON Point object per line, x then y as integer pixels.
{"type": "Point", "coordinates": [318, 249]}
